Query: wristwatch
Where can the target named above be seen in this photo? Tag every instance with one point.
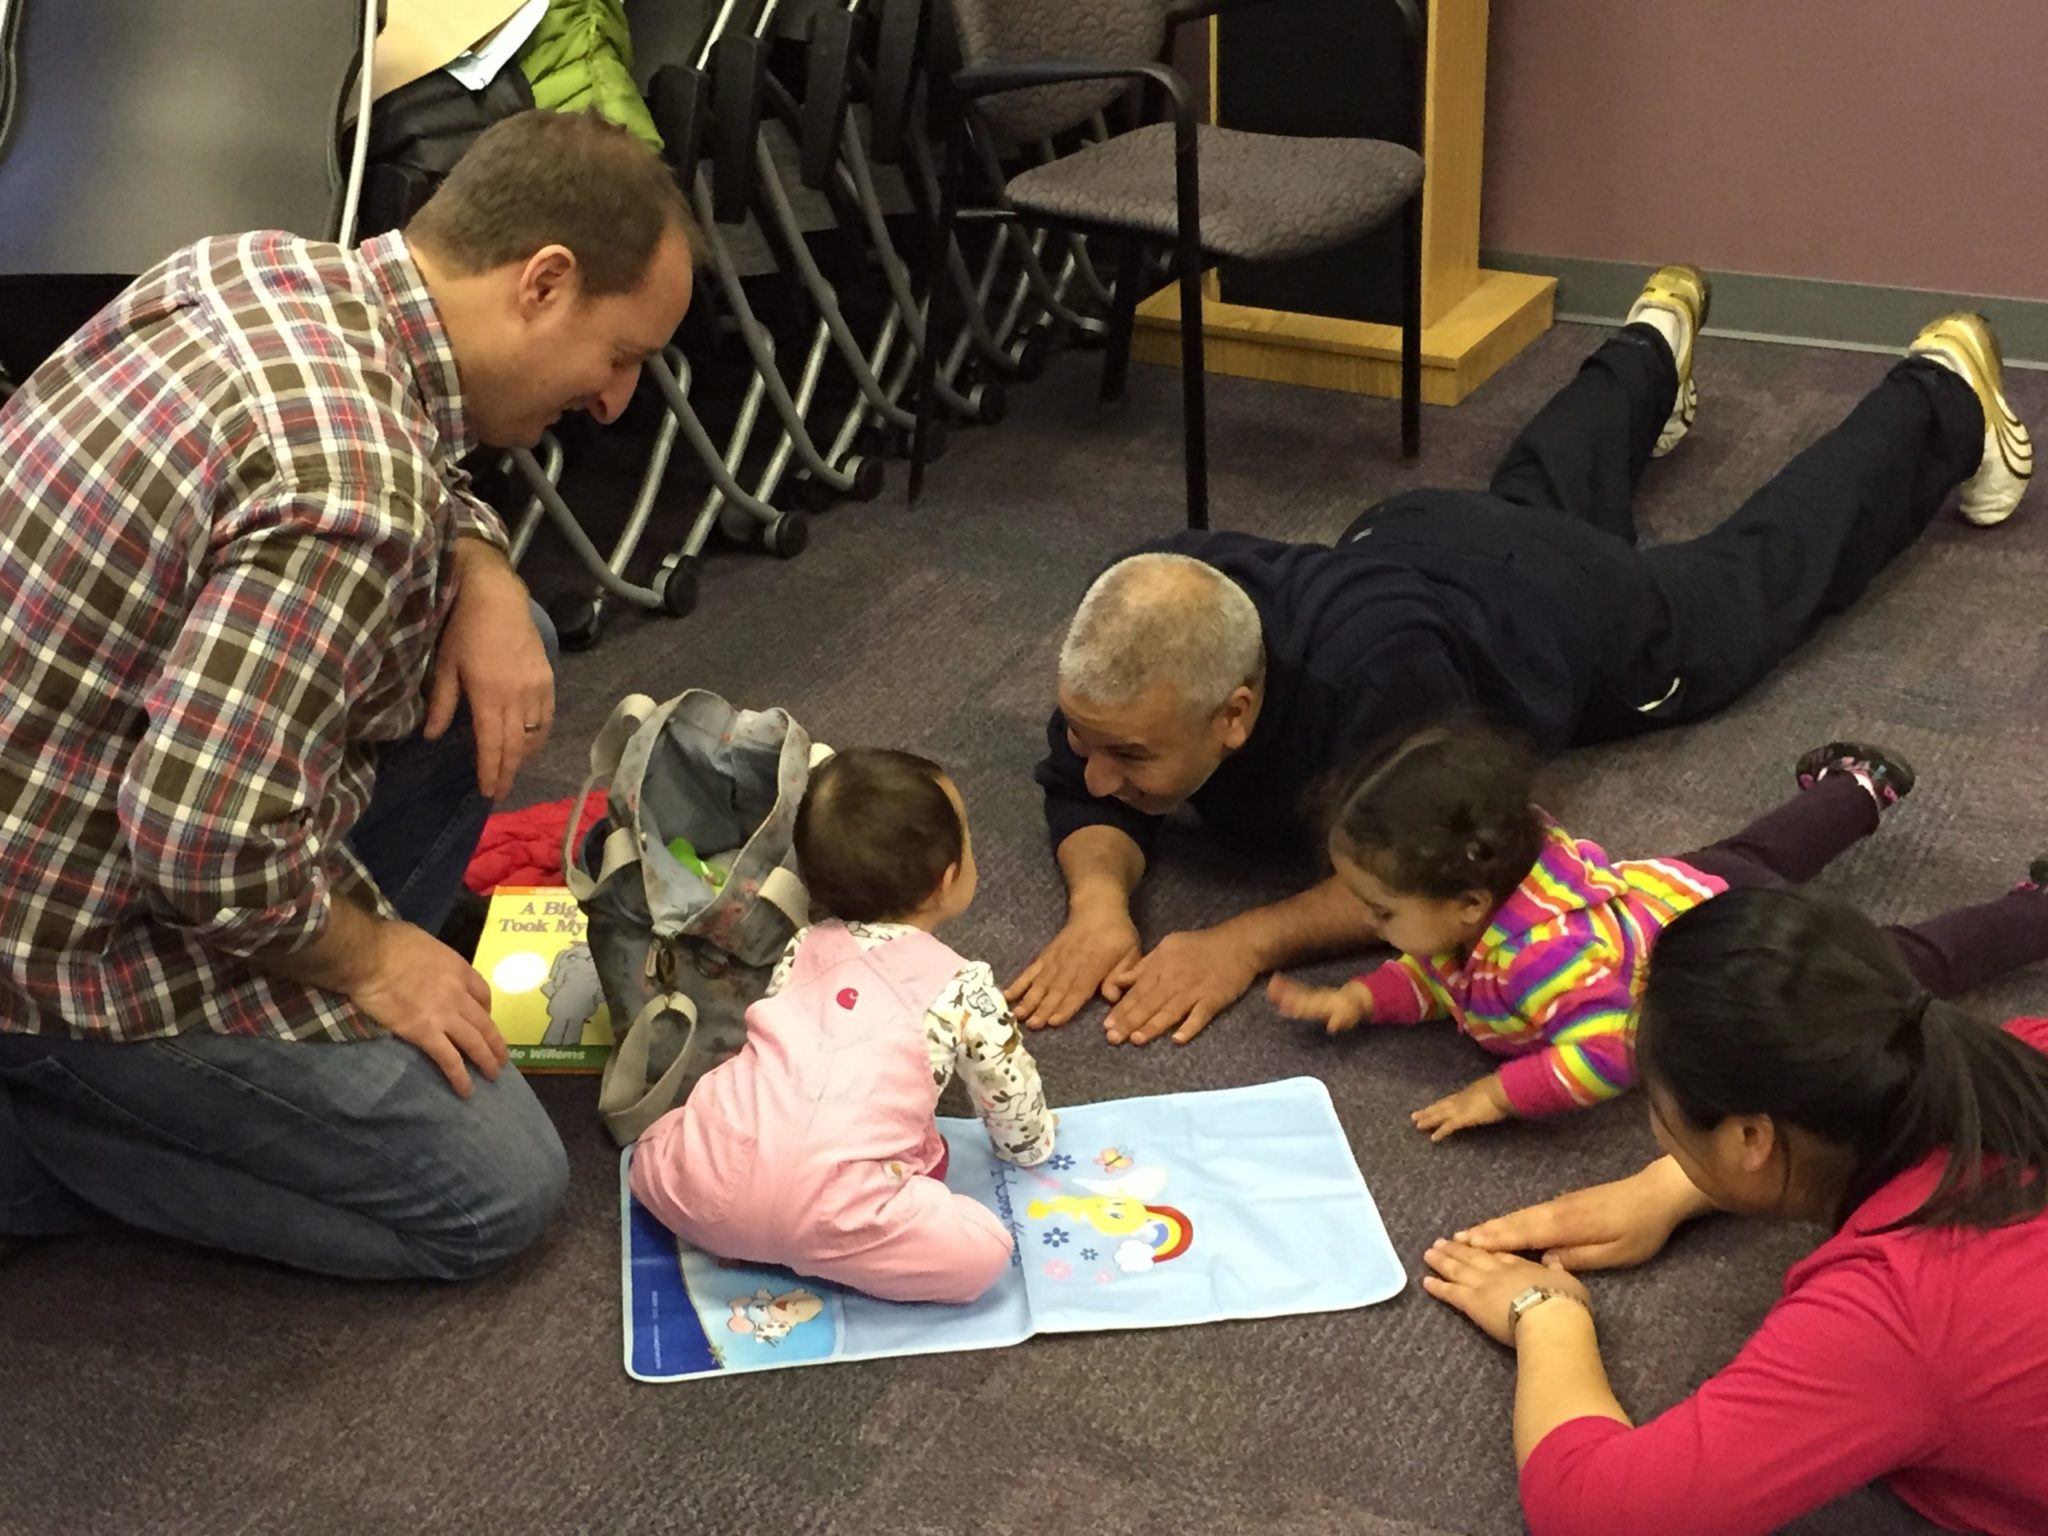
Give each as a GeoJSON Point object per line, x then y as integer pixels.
{"type": "Point", "coordinates": [1536, 1295]}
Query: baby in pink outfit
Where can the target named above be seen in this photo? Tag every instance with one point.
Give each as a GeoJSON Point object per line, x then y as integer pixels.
{"type": "Point", "coordinates": [815, 1148]}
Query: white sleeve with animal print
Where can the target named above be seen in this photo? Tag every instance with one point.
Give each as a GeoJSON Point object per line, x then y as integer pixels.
{"type": "Point", "coordinates": [969, 1029]}
{"type": "Point", "coordinates": [779, 977]}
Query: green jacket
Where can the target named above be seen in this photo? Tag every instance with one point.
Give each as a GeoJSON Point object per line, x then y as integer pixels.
{"type": "Point", "coordinates": [580, 59]}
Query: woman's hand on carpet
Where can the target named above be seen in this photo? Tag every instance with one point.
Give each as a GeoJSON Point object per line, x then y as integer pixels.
{"type": "Point", "coordinates": [1484, 1285]}
{"type": "Point", "coordinates": [1605, 1226]}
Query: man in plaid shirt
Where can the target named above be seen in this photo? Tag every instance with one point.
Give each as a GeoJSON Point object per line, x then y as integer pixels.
{"type": "Point", "coordinates": [264, 666]}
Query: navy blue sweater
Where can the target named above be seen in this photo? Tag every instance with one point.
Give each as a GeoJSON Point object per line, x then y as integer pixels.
{"type": "Point", "coordinates": [1364, 640]}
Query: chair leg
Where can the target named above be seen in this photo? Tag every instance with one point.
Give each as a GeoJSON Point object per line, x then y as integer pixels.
{"type": "Point", "coordinates": [1194, 392]}
{"type": "Point", "coordinates": [1411, 328]}
{"type": "Point", "coordinates": [1193, 380]}
{"type": "Point", "coordinates": [938, 298]}
{"type": "Point", "coordinates": [1116, 362]}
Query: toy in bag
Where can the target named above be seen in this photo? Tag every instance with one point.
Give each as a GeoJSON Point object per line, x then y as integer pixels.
{"type": "Point", "coordinates": [684, 941]}
{"type": "Point", "coordinates": [686, 855]}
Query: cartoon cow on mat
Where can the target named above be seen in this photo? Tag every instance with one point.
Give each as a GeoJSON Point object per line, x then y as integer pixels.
{"type": "Point", "coordinates": [768, 1317]}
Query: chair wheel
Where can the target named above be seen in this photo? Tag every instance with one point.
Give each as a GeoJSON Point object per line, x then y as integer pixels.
{"type": "Point", "coordinates": [869, 476]}
{"type": "Point", "coordinates": [814, 494]}
{"type": "Point", "coordinates": [786, 537]}
{"type": "Point", "coordinates": [871, 441]}
{"type": "Point", "coordinates": [990, 403]}
{"type": "Point", "coordinates": [736, 524]}
{"type": "Point", "coordinates": [1030, 359]}
{"type": "Point", "coordinates": [579, 621]}
{"type": "Point", "coordinates": [676, 586]}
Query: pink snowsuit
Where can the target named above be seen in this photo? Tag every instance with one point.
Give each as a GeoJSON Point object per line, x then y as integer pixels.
{"type": "Point", "coordinates": [814, 1147]}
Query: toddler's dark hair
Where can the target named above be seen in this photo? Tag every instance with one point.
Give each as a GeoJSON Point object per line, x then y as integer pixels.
{"type": "Point", "coordinates": [875, 833]}
{"type": "Point", "coordinates": [1443, 810]}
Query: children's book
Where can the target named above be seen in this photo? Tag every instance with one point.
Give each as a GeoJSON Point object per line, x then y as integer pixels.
{"type": "Point", "coordinates": [545, 998]}
{"type": "Point", "coordinates": [1151, 1213]}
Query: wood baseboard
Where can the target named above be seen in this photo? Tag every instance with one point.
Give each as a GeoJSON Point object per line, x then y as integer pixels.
{"type": "Point", "coordinates": [1464, 349]}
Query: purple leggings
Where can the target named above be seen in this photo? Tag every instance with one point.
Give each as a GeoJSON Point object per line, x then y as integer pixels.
{"type": "Point", "coordinates": [1955, 952]}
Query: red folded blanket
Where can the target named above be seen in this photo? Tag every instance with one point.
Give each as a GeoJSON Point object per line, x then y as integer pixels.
{"type": "Point", "coordinates": [525, 847]}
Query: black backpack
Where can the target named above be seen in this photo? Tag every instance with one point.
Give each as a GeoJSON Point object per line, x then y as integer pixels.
{"type": "Point", "coordinates": [419, 131]}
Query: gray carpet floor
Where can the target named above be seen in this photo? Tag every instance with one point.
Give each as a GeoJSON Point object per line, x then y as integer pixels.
{"type": "Point", "coordinates": [151, 1388]}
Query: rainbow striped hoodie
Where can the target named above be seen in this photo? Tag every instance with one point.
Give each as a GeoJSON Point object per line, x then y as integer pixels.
{"type": "Point", "coordinates": [1553, 982]}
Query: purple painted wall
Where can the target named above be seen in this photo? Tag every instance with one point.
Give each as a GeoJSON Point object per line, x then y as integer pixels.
{"type": "Point", "coordinates": [1896, 142]}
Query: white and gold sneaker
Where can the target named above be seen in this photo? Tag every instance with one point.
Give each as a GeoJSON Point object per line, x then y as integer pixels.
{"type": "Point", "coordinates": [1674, 302]}
{"type": "Point", "coordinates": [1963, 344]}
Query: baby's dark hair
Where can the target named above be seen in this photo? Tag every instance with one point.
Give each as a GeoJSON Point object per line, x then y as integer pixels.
{"type": "Point", "coordinates": [876, 832]}
{"type": "Point", "coordinates": [1443, 810]}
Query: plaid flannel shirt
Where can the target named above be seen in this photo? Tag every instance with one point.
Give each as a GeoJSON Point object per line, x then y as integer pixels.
{"type": "Point", "coordinates": [228, 514]}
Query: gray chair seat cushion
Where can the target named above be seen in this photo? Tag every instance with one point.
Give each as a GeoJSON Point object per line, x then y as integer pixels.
{"type": "Point", "coordinates": [1265, 196]}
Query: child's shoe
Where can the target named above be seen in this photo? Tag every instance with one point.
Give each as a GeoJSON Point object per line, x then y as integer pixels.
{"type": "Point", "coordinates": [1964, 345]}
{"type": "Point", "coordinates": [1674, 303]}
{"type": "Point", "coordinates": [1887, 777]}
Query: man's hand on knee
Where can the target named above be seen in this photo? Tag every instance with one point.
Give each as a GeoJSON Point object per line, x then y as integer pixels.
{"type": "Point", "coordinates": [430, 997]}
{"type": "Point", "coordinates": [1073, 967]}
{"type": "Point", "coordinates": [407, 981]}
{"type": "Point", "coordinates": [1185, 982]}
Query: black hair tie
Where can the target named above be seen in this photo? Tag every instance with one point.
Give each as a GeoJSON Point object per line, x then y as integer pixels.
{"type": "Point", "coordinates": [1912, 1027]}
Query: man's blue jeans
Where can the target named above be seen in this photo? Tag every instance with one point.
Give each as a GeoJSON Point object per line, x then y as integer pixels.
{"type": "Point", "coordinates": [355, 1160]}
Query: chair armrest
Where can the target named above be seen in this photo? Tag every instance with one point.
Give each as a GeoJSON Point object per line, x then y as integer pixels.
{"type": "Point", "coordinates": [739, 60]}
{"type": "Point", "coordinates": [828, 85]}
{"type": "Point", "coordinates": [899, 36]}
{"type": "Point", "coordinates": [991, 79]}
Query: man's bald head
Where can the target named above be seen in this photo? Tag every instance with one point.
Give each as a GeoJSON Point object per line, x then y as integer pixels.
{"type": "Point", "coordinates": [1167, 619]}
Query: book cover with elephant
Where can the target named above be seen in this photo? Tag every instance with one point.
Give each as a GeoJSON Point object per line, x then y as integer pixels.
{"type": "Point", "coordinates": [1178, 1209]}
{"type": "Point", "coordinates": [545, 998]}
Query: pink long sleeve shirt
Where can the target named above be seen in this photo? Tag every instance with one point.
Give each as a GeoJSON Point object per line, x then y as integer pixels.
{"type": "Point", "coordinates": [1918, 1356]}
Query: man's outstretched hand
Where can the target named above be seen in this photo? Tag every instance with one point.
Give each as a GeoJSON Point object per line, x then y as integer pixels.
{"type": "Point", "coordinates": [1185, 982]}
{"type": "Point", "coordinates": [1188, 978]}
{"type": "Point", "coordinates": [1073, 968]}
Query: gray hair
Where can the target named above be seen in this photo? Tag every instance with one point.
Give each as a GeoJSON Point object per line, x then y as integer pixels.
{"type": "Point", "coordinates": [1162, 618]}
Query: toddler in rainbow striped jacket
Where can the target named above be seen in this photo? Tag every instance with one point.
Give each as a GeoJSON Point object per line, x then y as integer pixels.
{"type": "Point", "coordinates": [1536, 943]}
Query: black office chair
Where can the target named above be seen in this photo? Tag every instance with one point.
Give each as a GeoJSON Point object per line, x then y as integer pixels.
{"type": "Point", "coordinates": [10, 32]}
{"type": "Point", "coordinates": [1199, 193]}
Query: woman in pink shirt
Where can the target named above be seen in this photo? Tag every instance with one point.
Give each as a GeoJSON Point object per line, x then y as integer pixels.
{"type": "Point", "coordinates": [1794, 1068]}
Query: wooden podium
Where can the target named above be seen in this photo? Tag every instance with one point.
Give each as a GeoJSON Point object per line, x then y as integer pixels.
{"type": "Point", "coordinates": [1276, 68]}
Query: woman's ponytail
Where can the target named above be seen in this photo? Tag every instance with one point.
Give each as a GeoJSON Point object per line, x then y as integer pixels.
{"type": "Point", "coordinates": [1976, 1090]}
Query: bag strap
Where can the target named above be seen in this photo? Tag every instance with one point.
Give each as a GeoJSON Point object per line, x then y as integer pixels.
{"type": "Point", "coordinates": [782, 888]}
{"type": "Point", "coordinates": [626, 1100]}
{"type": "Point", "coordinates": [785, 892]}
{"type": "Point", "coordinates": [631, 712]}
